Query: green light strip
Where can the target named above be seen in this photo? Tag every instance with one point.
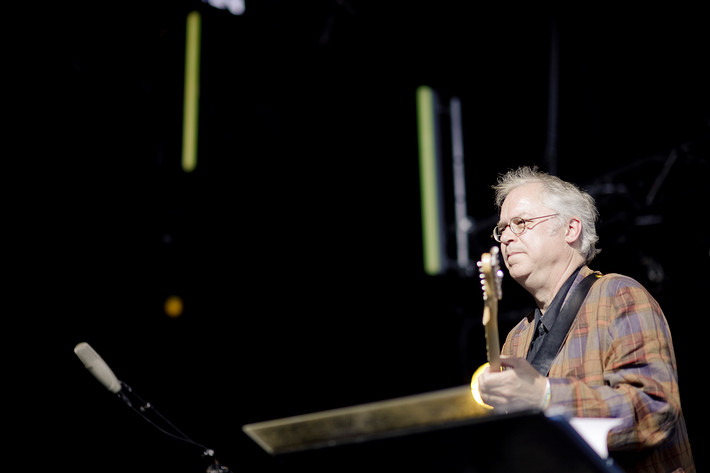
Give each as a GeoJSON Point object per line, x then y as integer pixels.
{"type": "Point", "coordinates": [428, 179]}
{"type": "Point", "coordinates": [192, 91]}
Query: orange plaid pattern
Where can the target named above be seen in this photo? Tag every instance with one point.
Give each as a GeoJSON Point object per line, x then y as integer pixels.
{"type": "Point", "coordinates": [618, 361]}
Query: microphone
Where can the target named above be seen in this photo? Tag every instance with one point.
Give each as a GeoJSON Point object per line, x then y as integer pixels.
{"type": "Point", "coordinates": [97, 366]}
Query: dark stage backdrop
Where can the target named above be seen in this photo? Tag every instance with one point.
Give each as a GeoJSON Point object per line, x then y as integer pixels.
{"type": "Point", "coordinates": [296, 242]}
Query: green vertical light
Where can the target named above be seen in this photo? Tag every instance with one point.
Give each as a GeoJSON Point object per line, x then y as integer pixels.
{"type": "Point", "coordinates": [426, 123]}
{"type": "Point", "coordinates": [192, 91]}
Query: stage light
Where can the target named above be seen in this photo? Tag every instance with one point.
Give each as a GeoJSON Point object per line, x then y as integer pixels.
{"type": "Point", "coordinates": [433, 237]}
{"type": "Point", "coordinates": [235, 7]}
{"type": "Point", "coordinates": [192, 91]}
{"type": "Point", "coordinates": [173, 306]}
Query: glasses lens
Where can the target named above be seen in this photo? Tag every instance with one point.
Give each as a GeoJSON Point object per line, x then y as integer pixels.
{"type": "Point", "coordinates": [517, 225]}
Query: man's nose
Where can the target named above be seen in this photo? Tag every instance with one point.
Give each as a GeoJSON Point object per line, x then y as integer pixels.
{"type": "Point", "coordinates": [507, 235]}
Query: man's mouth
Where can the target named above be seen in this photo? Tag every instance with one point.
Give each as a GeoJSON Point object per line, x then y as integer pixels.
{"type": "Point", "coordinates": [510, 254]}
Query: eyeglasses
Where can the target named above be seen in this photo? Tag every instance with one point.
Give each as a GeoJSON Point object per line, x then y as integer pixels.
{"type": "Point", "coordinates": [517, 225]}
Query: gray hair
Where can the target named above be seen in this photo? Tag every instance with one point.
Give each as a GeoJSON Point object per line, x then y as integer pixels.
{"type": "Point", "coordinates": [563, 197]}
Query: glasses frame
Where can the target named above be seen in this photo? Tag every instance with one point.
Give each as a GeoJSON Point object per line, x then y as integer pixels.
{"type": "Point", "coordinates": [497, 234]}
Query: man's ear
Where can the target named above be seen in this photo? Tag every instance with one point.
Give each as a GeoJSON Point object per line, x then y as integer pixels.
{"type": "Point", "coordinates": [573, 230]}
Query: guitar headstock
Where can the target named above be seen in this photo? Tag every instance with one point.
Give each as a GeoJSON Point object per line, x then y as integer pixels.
{"type": "Point", "coordinates": [491, 275]}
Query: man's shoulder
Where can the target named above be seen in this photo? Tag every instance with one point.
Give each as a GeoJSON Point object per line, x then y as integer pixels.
{"type": "Point", "coordinates": [622, 289]}
{"type": "Point", "coordinates": [619, 282]}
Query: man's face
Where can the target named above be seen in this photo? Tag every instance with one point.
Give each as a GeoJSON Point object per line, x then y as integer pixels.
{"type": "Point", "coordinates": [531, 256]}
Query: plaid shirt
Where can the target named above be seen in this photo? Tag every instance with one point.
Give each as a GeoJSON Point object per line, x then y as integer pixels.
{"type": "Point", "coordinates": [618, 361]}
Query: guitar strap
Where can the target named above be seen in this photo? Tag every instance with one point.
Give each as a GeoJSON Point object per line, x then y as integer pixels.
{"type": "Point", "coordinates": [552, 342]}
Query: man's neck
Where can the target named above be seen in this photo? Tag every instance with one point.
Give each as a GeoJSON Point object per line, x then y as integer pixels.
{"type": "Point", "coordinates": [545, 294]}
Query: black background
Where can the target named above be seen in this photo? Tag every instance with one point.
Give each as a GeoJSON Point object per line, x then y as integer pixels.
{"type": "Point", "coordinates": [296, 242]}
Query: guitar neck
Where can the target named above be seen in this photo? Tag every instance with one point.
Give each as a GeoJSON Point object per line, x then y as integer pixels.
{"type": "Point", "coordinates": [490, 281]}
{"type": "Point", "coordinates": [492, 340]}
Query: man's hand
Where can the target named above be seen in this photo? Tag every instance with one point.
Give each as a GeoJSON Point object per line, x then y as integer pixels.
{"type": "Point", "coordinates": [518, 386]}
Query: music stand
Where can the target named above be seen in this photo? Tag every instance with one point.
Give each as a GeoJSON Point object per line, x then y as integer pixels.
{"type": "Point", "coordinates": [438, 431]}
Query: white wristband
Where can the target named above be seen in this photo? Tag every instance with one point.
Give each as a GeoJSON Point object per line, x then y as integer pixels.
{"type": "Point", "coordinates": [546, 399]}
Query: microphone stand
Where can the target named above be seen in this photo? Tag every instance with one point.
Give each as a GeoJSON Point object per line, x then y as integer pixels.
{"type": "Point", "coordinates": [144, 408]}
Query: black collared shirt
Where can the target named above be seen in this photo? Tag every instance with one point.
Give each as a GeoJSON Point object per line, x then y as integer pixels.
{"type": "Point", "coordinates": [544, 324]}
